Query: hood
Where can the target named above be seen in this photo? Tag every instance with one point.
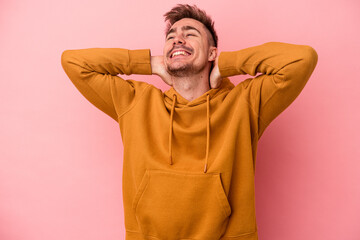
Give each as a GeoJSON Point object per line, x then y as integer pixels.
{"type": "Point", "coordinates": [173, 98]}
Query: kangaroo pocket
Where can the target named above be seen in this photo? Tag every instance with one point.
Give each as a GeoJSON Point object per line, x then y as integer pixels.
{"type": "Point", "coordinates": [178, 205]}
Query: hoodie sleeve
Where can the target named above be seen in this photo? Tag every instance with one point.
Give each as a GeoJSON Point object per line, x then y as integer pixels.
{"type": "Point", "coordinates": [285, 70]}
{"type": "Point", "coordinates": [94, 72]}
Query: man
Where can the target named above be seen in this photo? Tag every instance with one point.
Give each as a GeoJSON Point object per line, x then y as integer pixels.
{"type": "Point", "coordinates": [189, 153]}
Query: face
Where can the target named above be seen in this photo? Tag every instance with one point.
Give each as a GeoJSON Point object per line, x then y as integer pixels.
{"type": "Point", "coordinates": [187, 50]}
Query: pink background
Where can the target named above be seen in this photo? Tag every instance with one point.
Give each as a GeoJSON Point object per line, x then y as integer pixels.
{"type": "Point", "coordinates": [61, 158]}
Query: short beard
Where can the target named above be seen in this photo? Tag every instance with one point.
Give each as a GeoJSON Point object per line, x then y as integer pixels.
{"type": "Point", "coordinates": [183, 71]}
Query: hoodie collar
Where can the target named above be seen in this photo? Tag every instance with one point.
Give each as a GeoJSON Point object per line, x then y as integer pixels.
{"type": "Point", "coordinates": [176, 100]}
{"type": "Point", "coordinates": [225, 85]}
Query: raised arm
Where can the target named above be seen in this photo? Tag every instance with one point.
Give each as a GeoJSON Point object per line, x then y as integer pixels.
{"type": "Point", "coordinates": [286, 68]}
{"type": "Point", "coordinates": [94, 72]}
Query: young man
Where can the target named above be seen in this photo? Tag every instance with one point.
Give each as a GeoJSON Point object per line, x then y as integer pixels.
{"type": "Point", "coordinates": [189, 153]}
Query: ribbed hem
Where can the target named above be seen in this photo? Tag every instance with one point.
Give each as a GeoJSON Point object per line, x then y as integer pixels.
{"type": "Point", "coordinates": [247, 236]}
{"type": "Point", "coordinates": [138, 236]}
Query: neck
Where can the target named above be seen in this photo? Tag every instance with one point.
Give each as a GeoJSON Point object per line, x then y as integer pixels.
{"type": "Point", "coordinates": [192, 87]}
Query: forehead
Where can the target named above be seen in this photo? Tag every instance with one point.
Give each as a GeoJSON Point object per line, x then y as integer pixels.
{"type": "Point", "coordinates": [188, 22]}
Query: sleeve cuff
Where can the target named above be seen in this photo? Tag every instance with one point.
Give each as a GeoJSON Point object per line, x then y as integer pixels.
{"type": "Point", "coordinates": [226, 64]}
{"type": "Point", "coordinates": [139, 61]}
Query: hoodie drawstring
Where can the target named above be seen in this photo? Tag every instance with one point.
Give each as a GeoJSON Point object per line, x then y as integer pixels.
{"type": "Point", "coordinates": [171, 127]}
{"type": "Point", "coordinates": [207, 130]}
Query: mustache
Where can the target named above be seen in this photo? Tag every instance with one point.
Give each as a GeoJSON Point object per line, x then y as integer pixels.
{"type": "Point", "coordinates": [178, 47]}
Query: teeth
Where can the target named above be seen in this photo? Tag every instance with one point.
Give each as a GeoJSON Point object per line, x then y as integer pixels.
{"type": "Point", "coordinates": [179, 53]}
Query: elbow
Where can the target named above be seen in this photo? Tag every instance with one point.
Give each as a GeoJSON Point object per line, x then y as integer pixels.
{"type": "Point", "coordinates": [69, 61]}
{"type": "Point", "coordinates": [65, 57]}
{"type": "Point", "coordinates": [303, 67]}
{"type": "Point", "coordinates": [310, 58]}
{"type": "Point", "coordinates": [306, 63]}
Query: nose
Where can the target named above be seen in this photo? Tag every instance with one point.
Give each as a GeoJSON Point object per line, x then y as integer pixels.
{"type": "Point", "coordinates": [178, 40]}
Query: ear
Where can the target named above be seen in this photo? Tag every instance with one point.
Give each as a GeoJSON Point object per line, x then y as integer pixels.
{"type": "Point", "coordinates": [212, 54]}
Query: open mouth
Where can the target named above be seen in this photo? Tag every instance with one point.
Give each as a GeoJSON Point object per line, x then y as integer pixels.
{"type": "Point", "coordinates": [180, 53]}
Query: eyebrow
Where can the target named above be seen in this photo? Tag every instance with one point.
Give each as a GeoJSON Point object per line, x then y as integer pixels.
{"type": "Point", "coordinates": [184, 28]}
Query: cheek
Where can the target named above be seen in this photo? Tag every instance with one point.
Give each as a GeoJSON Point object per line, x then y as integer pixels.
{"type": "Point", "coordinates": [167, 48]}
{"type": "Point", "coordinates": [202, 51]}
{"type": "Point", "coordinates": [203, 54]}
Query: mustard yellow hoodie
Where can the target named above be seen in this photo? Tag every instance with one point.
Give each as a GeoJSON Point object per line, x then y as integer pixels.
{"type": "Point", "coordinates": [188, 166]}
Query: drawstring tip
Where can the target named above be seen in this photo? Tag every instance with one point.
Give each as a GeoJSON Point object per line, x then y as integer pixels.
{"type": "Point", "coordinates": [170, 160]}
{"type": "Point", "coordinates": [205, 168]}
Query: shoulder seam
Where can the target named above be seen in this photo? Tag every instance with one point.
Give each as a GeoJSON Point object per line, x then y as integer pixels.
{"type": "Point", "coordinates": [133, 105]}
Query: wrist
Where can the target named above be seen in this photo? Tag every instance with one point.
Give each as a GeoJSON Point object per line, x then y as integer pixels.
{"type": "Point", "coordinates": [153, 65]}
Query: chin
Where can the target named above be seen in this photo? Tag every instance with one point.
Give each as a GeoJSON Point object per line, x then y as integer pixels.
{"type": "Point", "coordinates": [178, 65]}
{"type": "Point", "coordinates": [180, 70]}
